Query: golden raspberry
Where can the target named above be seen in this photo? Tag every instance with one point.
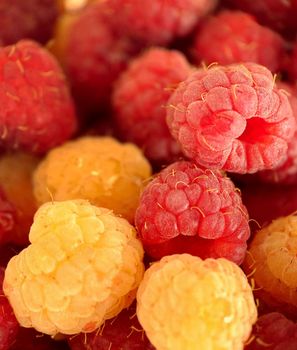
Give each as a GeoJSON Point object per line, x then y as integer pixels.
{"type": "Point", "coordinates": [100, 169]}
{"type": "Point", "coordinates": [16, 171]}
{"type": "Point", "coordinates": [82, 267]}
{"type": "Point", "coordinates": [186, 303]}
{"type": "Point", "coordinates": [272, 263]}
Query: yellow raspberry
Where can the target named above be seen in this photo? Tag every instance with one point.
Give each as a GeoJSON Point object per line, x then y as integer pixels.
{"type": "Point", "coordinates": [16, 171]}
{"type": "Point", "coordinates": [272, 263]}
{"type": "Point", "coordinates": [100, 169]}
{"type": "Point", "coordinates": [186, 303]}
{"type": "Point", "coordinates": [83, 266]}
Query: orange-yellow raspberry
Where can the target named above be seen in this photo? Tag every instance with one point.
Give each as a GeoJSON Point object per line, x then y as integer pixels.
{"type": "Point", "coordinates": [186, 303]}
{"type": "Point", "coordinates": [100, 169]}
{"type": "Point", "coordinates": [272, 264]}
{"type": "Point", "coordinates": [16, 171]}
{"type": "Point", "coordinates": [83, 266]}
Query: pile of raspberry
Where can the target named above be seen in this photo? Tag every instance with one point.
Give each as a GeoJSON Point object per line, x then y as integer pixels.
{"type": "Point", "coordinates": [148, 175]}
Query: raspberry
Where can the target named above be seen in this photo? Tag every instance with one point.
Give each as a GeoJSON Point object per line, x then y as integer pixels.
{"type": "Point", "coordinates": [287, 172]}
{"type": "Point", "coordinates": [237, 37]}
{"type": "Point", "coordinates": [278, 14]}
{"type": "Point", "coordinates": [232, 118]}
{"type": "Point", "coordinates": [36, 110]}
{"type": "Point", "coordinates": [16, 171]}
{"type": "Point", "coordinates": [107, 173]}
{"type": "Point", "coordinates": [7, 218]}
{"type": "Point", "coordinates": [187, 303]}
{"type": "Point", "coordinates": [158, 22]}
{"type": "Point", "coordinates": [81, 268]}
{"type": "Point", "coordinates": [271, 261]}
{"type": "Point", "coordinates": [93, 53]}
{"type": "Point", "coordinates": [140, 97]}
{"type": "Point", "coordinates": [123, 332]}
{"type": "Point", "coordinates": [186, 209]}
{"type": "Point", "coordinates": [27, 19]}
{"type": "Point", "coordinates": [293, 63]}
{"type": "Point", "coordinates": [8, 324]}
{"type": "Point", "coordinates": [274, 332]}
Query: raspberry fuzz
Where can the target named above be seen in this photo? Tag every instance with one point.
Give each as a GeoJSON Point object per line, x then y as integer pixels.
{"type": "Point", "coordinates": [140, 97]}
{"type": "Point", "coordinates": [37, 112]}
{"type": "Point", "coordinates": [232, 117]}
{"type": "Point", "coordinates": [237, 37]}
{"type": "Point", "coordinates": [82, 267]}
{"type": "Point", "coordinates": [186, 209]}
{"type": "Point", "coordinates": [271, 262]}
{"type": "Point", "coordinates": [100, 169]}
{"type": "Point", "coordinates": [185, 303]}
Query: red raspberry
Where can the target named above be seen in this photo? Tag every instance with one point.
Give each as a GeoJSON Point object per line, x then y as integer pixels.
{"type": "Point", "coordinates": [122, 332]}
{"type": "Point", "coordinates": [274, 331]}
{"type": "Point", "coordinates": [278, 14]}
{"type": "Point", "coordinates": [36, 109]}
{"type": "Point", "coordinates": [267, 202]}
{"type": "Point", "coordinates": [140, 97]}
{"type": "Point", "coordinates": [7, 218]}
{"type": "Point", "coordinates": [292, 67]}
{"type": "Point", "coordinates": [21, 19]}
{"type": "Point", "coordinates": [8, 324]}
{"type": "Point", "coordinates": [287, 172]}
{"type": "Point", "coordinates": [186, 209]}
{"type": "Point", "coordinates": [93, 53]}
{"type": "Point", "coordinates": [232, 118]}
{"type": "Point", "coordinates": [158, 22]}
{"type": "Point", "coordinates": [237, 37]}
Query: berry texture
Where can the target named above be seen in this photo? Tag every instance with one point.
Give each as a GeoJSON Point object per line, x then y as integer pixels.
{"type": "Point", "coordinates": [232, 117]}
{"type": "Point", "coordinates": [36, 109]}
{"type": "Point", "coordinates": [287, 172]}
{"type": "Point", "coordinates": [140, 99]}
{"type": "Point", "coordinates": [274, 331]}
{"type": "Point", "coordinates": [16, 171]}
{"type": "Point", "coordinates": [123, 332]}
{"type": "Point", "coordinates": [237, 37]}
{"type": "Point", "coordinates": [7, 218]}
{"type": "Point", "coordinates": [186, 209]}
{"type": "Point", "coordinates": [82, 267]}
{"type": "Point", "coordinates": [271, 263]}
{"type": "Point", "coordinates": [8, 324]}
{"type": "Point", "coordinates": [278, 14]}
{"type": "Point", "coordinates": [32, 19]}
{"type": "Point", "coordinates": [93, 52]}
{"type": "Point", "coordinates": [158, 22]}
{"type": "Point", "coordinates": [185, 303]}
{"type": "Point", "coordinates": [100, 169]}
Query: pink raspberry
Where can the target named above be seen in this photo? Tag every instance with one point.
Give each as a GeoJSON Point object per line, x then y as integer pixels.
{"type": "Point", "coordinates": [232, 117]}
{"type": "Point", "coordinates": [186, 209]}
{"type": "Point", "coordinates": [140, 100]}
{"type": "Point", "coordinates": [274, 331]}
{"type": "Point", "coordinates": [36, 112]}
{"type": "Point", "coordinates": [286, 173]}
{"type": "Point", "coordinates": [158, 22]}
{"type": "Point", "coordinates": [94, 54]}
{"type": "Point", "coordinates": [7, 218]}
{"type": "Point", "coordinates": [237, 37]}
{"type": "Point", "coordinates": [278, 14]}
{"type": "Point", "coordinates": [122, 332]}
{"type": "Point", "coordinates": [21, 19]}
{"type": "Point", "coordinates": [8, 324]}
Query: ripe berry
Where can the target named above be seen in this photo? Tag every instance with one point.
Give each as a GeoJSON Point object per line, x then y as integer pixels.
{"type": "Point", "coordinates": [140, 98]}
{"type": "Point", "coordinates": [186, 209]}
{"type": "Point", "coordinates": [82, 267]}
{"type": "Point", "coordinates": [232, 118]}
{"type": "Point", "coordinates": [187, 303]}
